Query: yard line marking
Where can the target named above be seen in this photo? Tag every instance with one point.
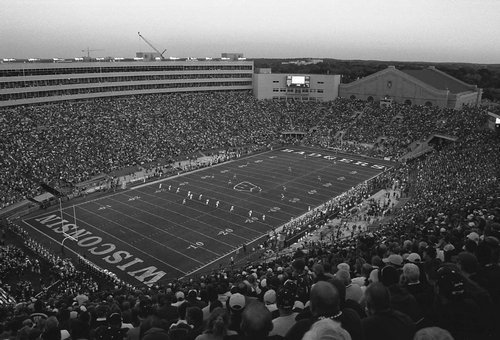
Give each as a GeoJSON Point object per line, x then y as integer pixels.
{"type": "Point", "coordinates": [202, 212]}
{"type": "Point", "coordinates": [221, 257]}
{"type": "Point", "coordinates": [223, 191]}
{"type": "Point", "coordinates": [163, 230]}
{"type": "Point", "coordinates": [295, 178]}
{"type": "Point", "coordinates": [135, 232]}
{"type": "Point", "coordinates": [186, 227]}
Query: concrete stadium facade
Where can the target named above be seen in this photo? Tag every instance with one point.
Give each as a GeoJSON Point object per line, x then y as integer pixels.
{"type": "Point", "coordinates": [267, 85]}
{"type": "Point", "coordinates": [43, 82]}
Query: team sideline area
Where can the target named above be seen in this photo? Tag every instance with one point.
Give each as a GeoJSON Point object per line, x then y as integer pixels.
{"type": "Point", "coordinates": [157, 232]}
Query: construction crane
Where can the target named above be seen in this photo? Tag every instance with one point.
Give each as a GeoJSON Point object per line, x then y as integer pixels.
{"type": "Point", "coordinates": [151, 45]}
{"type": "Point", "coordinates": [88, 50]}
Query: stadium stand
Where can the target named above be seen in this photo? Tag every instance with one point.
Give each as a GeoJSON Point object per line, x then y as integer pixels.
{"type": "Point", "coordinates": [431, 268]}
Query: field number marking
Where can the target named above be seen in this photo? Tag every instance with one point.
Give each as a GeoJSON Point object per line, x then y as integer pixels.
{"type": "Point", "coordinates": [225, 232]}
{"type": "Point", "coordinates": [195, 245]}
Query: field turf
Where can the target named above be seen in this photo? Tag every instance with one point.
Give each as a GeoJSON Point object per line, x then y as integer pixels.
{"type": "Point", "coordinates": [155, 232]}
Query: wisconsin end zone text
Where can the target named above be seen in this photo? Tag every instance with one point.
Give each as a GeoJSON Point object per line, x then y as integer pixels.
{"type": "Point", "coordinates": [122, 259]}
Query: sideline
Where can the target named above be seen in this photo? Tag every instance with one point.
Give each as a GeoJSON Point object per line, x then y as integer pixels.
{"type": "Point", "coordinates": [200, 169]}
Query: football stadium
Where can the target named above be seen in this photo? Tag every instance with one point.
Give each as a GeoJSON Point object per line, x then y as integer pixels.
{"type": "Point", "coordinates": [159, 196]}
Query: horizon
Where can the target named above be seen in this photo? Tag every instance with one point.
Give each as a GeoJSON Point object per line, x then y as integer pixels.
{"type": "Point", "coordinates": [129, 59]}
{"type": "Point", "coordinates": [448, 31]}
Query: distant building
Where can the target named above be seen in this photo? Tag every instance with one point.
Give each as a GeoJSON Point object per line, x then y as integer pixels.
{"type": "Point", "coordinates": [232, 56]}
{"type": "Point", "coordinates": [303, 62]}
{"type": "Point", "coordinates": [303, 87]}
{"type": "Point", "coordinates": [429, 87]}
{"type": "Point", "coordinates": [148, 56]}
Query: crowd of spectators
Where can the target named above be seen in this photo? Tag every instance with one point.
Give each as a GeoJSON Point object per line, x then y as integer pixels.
{"type": "Point", "coordinates": [431, 272]}
{"type": "Point", "coordinates": [70, 142]}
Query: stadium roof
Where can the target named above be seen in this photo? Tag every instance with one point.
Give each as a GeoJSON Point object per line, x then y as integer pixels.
{"type": "Point", "coordinates": [439, 80]}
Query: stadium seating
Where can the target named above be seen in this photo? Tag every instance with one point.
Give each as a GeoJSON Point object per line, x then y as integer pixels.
{"type": "Point", "coordinates": [432, 267]}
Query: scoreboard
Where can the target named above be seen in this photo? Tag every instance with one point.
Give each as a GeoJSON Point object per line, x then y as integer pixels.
{"type": "Point", "coordinates": [298, 81]}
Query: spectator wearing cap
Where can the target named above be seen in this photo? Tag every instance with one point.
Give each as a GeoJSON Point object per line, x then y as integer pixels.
{"type": "Point", "coordinates": [417, 260]}
{"type": "Point", "coordinates": [236, 304]}
{"type": "Point", "coordinates": [179, 297]}
{"type": "Point", "coordinates": [298, 306]}
{"type": "Point", "coordinates": [326, 303]}
{"type": "Point", "coordinates": [194, 300]}
{"type": "Point", "coordinates": [413, 258]}
{"type": "Point", "coordinates": [352, 290]}
{"type": "Point", "coordinates": [270, 303]}
{"type": "Point", "coordinates": [423, 293]}
{"type": "Point", "coordinates": [453, 310]}
{"type": "Point", "coordinates": [474, 237]}
{"type": "Point", "coordinates": [285, 299]}
{"type": "Point", "coordinates": [394, 260]}
{"type": "Point", "coordinates": [448, 252]}
{"type": "Point", "coordinates": [382, 321]}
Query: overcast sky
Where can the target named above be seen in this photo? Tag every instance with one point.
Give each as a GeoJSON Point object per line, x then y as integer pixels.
{"type": "Point", "coordinates": [405, 30]}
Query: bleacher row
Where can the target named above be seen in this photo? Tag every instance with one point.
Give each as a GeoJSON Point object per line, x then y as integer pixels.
{"type": "Point", "coordinates": [430, 272]}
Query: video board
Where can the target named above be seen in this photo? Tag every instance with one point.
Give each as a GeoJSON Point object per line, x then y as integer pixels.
{"type": "Point", "coordinates": [298, 81]}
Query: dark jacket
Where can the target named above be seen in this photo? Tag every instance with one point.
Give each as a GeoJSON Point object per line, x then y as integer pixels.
{"type": "Point", "coordinates": [388, 325]}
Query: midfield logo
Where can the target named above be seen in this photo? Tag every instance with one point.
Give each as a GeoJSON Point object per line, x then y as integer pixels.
{"type": "Point", "coordinates": [247, 186]}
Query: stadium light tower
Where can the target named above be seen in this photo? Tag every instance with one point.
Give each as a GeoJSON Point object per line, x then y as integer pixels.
{"type": "Point", "coordinates": [151, 45]}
